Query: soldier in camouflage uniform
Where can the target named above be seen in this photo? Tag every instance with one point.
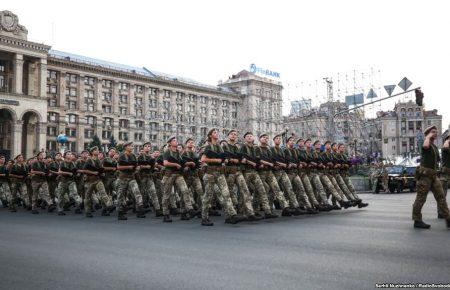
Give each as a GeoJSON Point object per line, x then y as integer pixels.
{"type": "Point", "coordinates": [80, 176]}
{"type": "Point", "coordinates": [191, 176]}
{"type": "Point", "coordinates": [445, 169]}
{"type": "Point", "coordinates": [146, 162]}
{"type": "Point", "coordinates": [250, 159]}
{"type": "Point", "coordinates": [127, 183]}
{"type": "Point", "coordinates": [173, 177]}
{"type": "Point", "coordinates": [427, 179]}
{"type": "Point", "coordinates": [109, 165]}
{"type": "Point", "coordinates": [303, 171]}
{"type": "Point", "coordinates": [53, 168]}
{"type": "Point", "coordinates": [67, 188]}
{"type": "Point", "coordinates": [5, 192]}
{"type": "Point", "coordinates": [94, 184]}
{"type": "Point", "coordinates": [344, 173]}
{"type": "Point", "coordinates": [17, 175]}
{"type": "Point", "coordinates": [215, 174]}
{"type": "Point", "coordinates": [236, 178]}
{"type": "Point", "coordinates": [39, 184]}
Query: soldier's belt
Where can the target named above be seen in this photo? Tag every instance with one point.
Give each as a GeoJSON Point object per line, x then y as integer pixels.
{"type": "Point", "coordinates": [213, 169]}
{"type": "Point", "coordinates": [232, 169]}
{"type": "Point", "coordinates": [423, 171]}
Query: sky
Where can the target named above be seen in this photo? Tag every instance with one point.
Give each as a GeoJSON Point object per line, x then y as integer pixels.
{"type": "Point", "coordinates": [376, 42]}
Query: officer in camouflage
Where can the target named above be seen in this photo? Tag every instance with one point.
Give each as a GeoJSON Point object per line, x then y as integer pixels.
{"type": "Point", "coordinates": [67, 188]}
{"type": "Point", "coordinates": [39, 184]}
{"type": "Point", "coordinates": [445, 169]}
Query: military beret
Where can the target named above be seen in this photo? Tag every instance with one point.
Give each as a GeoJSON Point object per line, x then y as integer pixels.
{"type": "Point", "coordinates": [248, 133]}
{"type": "Point", "coordinates": [327, 142]}
{"type": "Point", "coordinates": [146, 143]}
{"type": "Point", "coordinates": [188, 139]}
{"type": "Point", "coordinates": [127, 144]}
{"type": "Point", "coordinates": [84, 151]}
{"type": "Point", "coordinates": [93, 148]}
{"type": "Point", "coordinates": [427, 130]}
{"type": "Point", "coordinates": [332, 144]}
{"type": "Point", "coordinates": [113, 148]}
{"type": "Point", "coordinates": [231, 131]}
{"type": "Point", "coordinates": [37, 155]}
{"type": "Point", "coordinates": [263, 135]}
{"type": "Point", "coordinates": [340, 144]}
{"type": "Point", "coordinates": [67, 152]}
{"type": "Point", "coordinates": [17, 156]}
{"type": "Point", "coordinates": [298, 140]}
{"type": "Point", "coordinates": [278, 135]}
{"type": "Point", "coordinates": [289, 138]}
{"type": "Point", "coordinates": [308, 139]}
{"type": "Point", "coordinates": [315, 142]}
{"type": "Point", "coordinates": [170, 139]}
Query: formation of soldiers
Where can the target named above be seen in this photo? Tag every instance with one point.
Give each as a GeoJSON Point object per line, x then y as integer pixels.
{"type": "Point", "coordinates": [248, 182]}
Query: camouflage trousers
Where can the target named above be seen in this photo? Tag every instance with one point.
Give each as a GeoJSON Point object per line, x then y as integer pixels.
{"type": "Point", "coordinates": [336, 186]}
{"type": "Point", "coordinates": [92, 187]}
{"type": "Point", "coordinates": [67, 190]}
{"type": "Point", "coordinates": [175, 180]}
{"type": "Point", "coordinates": [19, 191]}
{"type": "Point", "coordinates": [308, 188]}
{"type": "Point", "coordinates": [349, 183]}
{"type": "Point", "coordinates": [5, 191]}
{"type": "Point", "coordinates": [109, 182]}
{"type": "Point", "coordinates": [40, 191]}
{"type": "Point", "coordinates": [286, 185]}
{"type": "Point", "coordinates": [128, 186]}
{"type": "Point", "coordinates": [424, 185]}
{"type": "Point", "coordinates": [445, 179]}
{"type": "Point", "coordinates": [271, 185]}
{"type": "Point", "coordinates": [299, 188]}
{"type": "Point", "coordinates": [195, 187]}
{"type": "Point", "coordinates": [52, 185]}
{"type": "Point", "coordinates": [211, 179]}
{"type": "Point", "coordinates": [148, 190]}
{"type": "Point", "coordinates": [255, 184]}
{"type": "Point", "coordinates": [245, 198]}
{"type": "Point", "coordinates": [318, 187]}
{"type": "Point", "coordinates": [80, 186]}
{"type": "Point", "coordinates": [340, 181]}
{"type": "Point", "coordinates": [329, 187]}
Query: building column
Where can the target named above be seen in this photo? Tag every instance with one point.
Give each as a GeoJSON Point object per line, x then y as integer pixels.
{"type": "Point", "coordinates": [41, 131]}
{"type": "Point", "coordinates": [42, 71]}
{"type": "Point", "coordinates": [18, 73]}
{"type": "Point", "coordinates": [62, 89]}
{"type": "Point", "coordinates": [17, 127]}
{"type": "Point", "coordinates": [31, 79]}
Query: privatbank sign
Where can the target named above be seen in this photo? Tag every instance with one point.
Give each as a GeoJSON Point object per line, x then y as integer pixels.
{"type": "Point", "coordinates": [9, 102]}
{"type": "Point", "coordinates": [262, 71]}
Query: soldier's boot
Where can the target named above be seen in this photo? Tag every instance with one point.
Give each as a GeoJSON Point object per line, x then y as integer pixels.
{"type": "Point", "coordinates": [270, 215]}
{"type": "Point", "coordinates": [286, 212]}
{"type": "Point", "coordinates": [66, 207]}
{"type": "Point", "coordinates": [78, 210]}
{"type": "Point", "coordinates": [322, 207]}
{"type": "Point", "coordinates": [258, 215]}
{"type": "Point", "coordinates": [448, 223]}
{"type": "Point", "coordinates": [254, 218]}
{"type": "Point", "coordinates": [121, 216]}
{"type": "Point", "coordinates": [184, 216]}
{"type": "Point", "coordinates": [89, 214]}
{"type": "Point", "coordinates": [174, 211]}
{"type": "Point", "coordinates": [111, 208]}
{"type": "Point", "coordinates": [336, 207]}
{"type": "Point", "coordinates": [213, 212]}
{"type": "Point", "coordinates": [5, 203]}
{"type": "Point", "coordinates": [421, 225]}
{"type": "Point", "coordinates": [29, 208]}
{"type": "Point", "coordinates": [207, 222]}
{"type": "Point", "coordinates": [158, 213]}
{"type": "Point", "coordinates": [34, 211]}
{"type": "Point", "coordinates": [440, 216]}
{"type": "Point", "coordinates": [311, 211]}
{"type": "Point", "coordinates": [140, 213]}
{"type": "Point", "coordinates": [362, 204]}
{"type": "Point", "coordinates": [344, 204]}
{"type": "Point", "coordinates": [61, 213]}
{"type": "Point", "coordinates": [51, 208]}
{"type": "Point", "coordinates": [13, 210]}
{"type": "Point", "coordinates": [105, 212]}
{"type": "Point", "coordinates": [97, 206]}
{"type": "Point", "coordinates": [297, 211]}
{"type": "Point", "coordinates": [234, 219]}
{"type": "Point", "coordinates": [167, 219]}
{"type": "Point", "coordinates": [193, 213]}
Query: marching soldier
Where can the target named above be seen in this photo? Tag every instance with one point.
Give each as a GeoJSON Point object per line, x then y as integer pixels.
{"type": "Point", "coordinates": [427, 179]}
{"type": "Point", "coordinates": [109, 165]}
{"type": "Point", "coordinates": [5, 192]}
{"type": "Point", "coordinates": [191, 175]}
{"type": "Point", "coordinates": [18, 174]}
{"type": "Point", "coordinates": [67, 188]}
{"type": "Point", "coordinates": [445, 169]}
{"type": "Point", "coordinates": [127, 183]}
{"type": "Point", "coordinates": [345, 175]}
{"type": "Point", "coordinates": [39, 184]}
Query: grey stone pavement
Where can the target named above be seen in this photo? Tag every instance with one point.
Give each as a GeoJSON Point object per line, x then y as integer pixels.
{"type": "Point", "coordinates": [348, 249]}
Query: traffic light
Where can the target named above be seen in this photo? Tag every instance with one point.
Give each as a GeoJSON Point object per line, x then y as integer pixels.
{"type": "Point", "coordinates": [419, 97]}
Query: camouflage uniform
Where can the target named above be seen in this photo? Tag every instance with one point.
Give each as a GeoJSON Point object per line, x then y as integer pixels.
{"type": "Point", "coordinates": [254, 181]}
{"type": "Point", "coordinates": [427, 179]}
{"type": "Point", "coordinates": [193, 180]}
{"type": "Point", "coordinates": [324, 174]}
{"type": "Point", "coordinates": [304, 173]}
{"type": "Point", "coordinates": [173, 177]}
{"type": "Point", "coordinates": [80, 177]}
{"type": "Point", "coordinates": [328, 158]}
{"type": "Point", "coordinates": [5, 192]}
{"type": "Point", "coordinates": [315, 177]}
{"type": "Point", "coordinates": [147, 185]}
{"type": "Point", "coordinates": [110, 176]}
{"type": "Point", "coordinates": [93, 184]}
{"type": "Point", "coordinates": [445, 172]}
{"type": "Point", "coordinates": [214, 175]}
{"type": "Point", "coordinates": [346, 177]}
{"type": "Point", "coordinates": [18, 185]}
{"type": "Point", "coordinates": [39, 185]}
{"type": "Point", "coordinates": [51, 179]}
{"type": "Point", "coordinates": [127, 183]}
{"type": "Point", "coordinates": [67, 187]}
{"type": "Point", "coordinates": [293, 158]}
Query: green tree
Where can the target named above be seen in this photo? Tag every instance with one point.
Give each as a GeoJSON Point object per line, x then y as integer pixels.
{"type": "Point", "coordinates": [112, 142]}
{"type": "Point", "coordinates": [95, 142]}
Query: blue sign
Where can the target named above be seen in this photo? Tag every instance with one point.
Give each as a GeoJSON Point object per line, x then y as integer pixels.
{"type": "Point", "coordinates": [258, 70]}
{"type": "Point", "coordinates": [354, 99]}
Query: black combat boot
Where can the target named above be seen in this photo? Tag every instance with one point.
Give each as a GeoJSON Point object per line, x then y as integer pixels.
{"type": "Point", "coordinates": [207, 222]}
{"type": "Point", "coordinates": [61, 213]}
{"type": "Point", "coordinates": [13, 210]}
{"type": "Point", "coordinates": [89, 214]}
{"type": "Point", "coordinates": [362, 204]}
{"type": "Point", "coordinates": [233, 219]}
{"type": "Point", "coordinates": [97, 206]}
{"type": "Point", "coordinates": [270, 215]}
{"type": "Point", "coordinates": [184, 216]}
{"type": "Point", "coordinates": [299, 211]}
{"type": "Point", "coordinates": [34, 211]}
{"type": "Point", "coordinates": [421, 225]}
{"type": "Point", "coordinates": [78, 210]}
{"type": "Point", "coordinates": [213, 212]}
{"type": "Point", "coordinates": [344, 204]}
{"type": "Point", "coordinates": [158, 213]}
{"type": "Point", "coordinates": [448, 223]}
{"type": "Point", "coordinates": [286, 212]}
{"type": "Point", "coordinates": [105, 212]}
{"type": "Point", "coordinates": [111, 208]}
{"type": "Point", "coordinates": [167, 219]}
{"type": "Point", "coordinates": [311, 211]}
{"type": "Point", "coordinates": [336, 207]}
{"type": "Point", "coordinates": [140, 213]}
{"type": "Point", "coordinates": [440, 216]}
{"type": "Point", "coordinates": [174, 211]}
{"type": "Point", "coordinates": [253, 218]}
{"type": "Point", "coordinates": [5, 203]}
{"type": "Point", "coordinates": [51, 208]}
{"type": "Point", "coordinates": [121, 216]}
{"type": "Point", "coordinates": [193, 213]}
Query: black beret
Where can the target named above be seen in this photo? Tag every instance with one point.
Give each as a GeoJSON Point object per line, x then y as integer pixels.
{"type": "Point", "coordinates": [262, 135]}
{"type": "Point", "coordinates": [146, 143]}
{"type": "Point", "coordinates": [315, 142]}
{"type": "Point", "coordinates": [93, 148]}
{"type": "Point", "coordinates": [248, 133]}
{"type": "Point", "coordinates": [170, 139]}
{"type": "Point", "coordinates": [188, 139]}
{"type": "Point", "coordinates": [427, 130]}
{"type": "Point", "coordinates": [278, 135]}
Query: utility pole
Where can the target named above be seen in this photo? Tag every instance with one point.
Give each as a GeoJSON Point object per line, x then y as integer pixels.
{"type": "Point", "coordinates": [331, 108]}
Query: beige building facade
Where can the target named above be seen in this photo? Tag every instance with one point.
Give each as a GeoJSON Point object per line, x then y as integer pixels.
{"type": "Point", "coordinates": [46, 92]}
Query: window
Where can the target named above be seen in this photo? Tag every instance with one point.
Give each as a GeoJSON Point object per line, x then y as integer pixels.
{"type": "Point", "coordinates": [89, 94]}
{"type": "Point", "coordinates": [123, 86]}
{"type": "Point", "coordinates": [72, 146]}
{"type": "Point", "coordinates": [203, 131]}
{"type": "Point", "coordinates": [71, 118]}
{"type": "Point", "coordinates": [153, 126]}
{"type": "Point", "coordinates": [88, 133]}
{"type": "Point", "coordinates": [193, 130]}
{"type": "Point", "coordinates": [106, 134]}
{"type": "Point", "coordinates": [138, 113]}
{"type": "Point", "coordinates": [90, 81]}
{"type": "Point", "coordinates": [429, 122]}
{"type": "Point", "coordinates": [191, 120]}
{"type": "Point", "coordinates": [234, 105]}
{"type": "Point", "coordinates": [166, 105]}
{"type": "Point", "coordinates": [153, 92]}
{"type": "Point", "coordinates": [192, 108]}
{"type": "Point", "coordinates": [192, 98]}
{"type": "Point", "coordinates": [214, 102]}
{"type": "Point", "coordinates": [51, 146]}
{"type": "Point", "coordinates": [167, 127]}
{"type": "Point", "coordinates": [52, 102]}
{"type": "Point", "coordinates": [139, 89]}
{"type": "Point", "coordinates": [51, 131]}
{"type": "Point", "coordinates": [107, 121]}
{"type": "Point", "coordinates": [203, 110]}
{"type": "Point", "coordinates": [139, 124]}
{"type": "Point", "coordinates": [52, 117]}
{"type": "Point", "coordinates": [123, 136]}
{"type": "Point", "coordinates": [107, 83]}
{"type": "Point", "coordinates": [52, 75]}
{"type": "Point", "coordinates": [138, 101]}
{"type": "Point", "coordinates": [167, 93]}
{"type": "Point", "coordinates": [152, 114]}
{"type": "Point", "coordinates": [153, 137]}
{"type": "Point", "coordinates": [410, 125]}
{"type": "Point", "coordinates": [52, 89]}
{"type": "Point", "coordinates": [153, 103]}
{"type": "Point", "coordinates": [234, 114]}
{"type": "Point", "coordinates": [71, 132]}
{"type": "Point", "coordinates": [419, 125]}
{"type": "Point", "coordinates": [165, 116]}
{"type": "Point", "coordinates": [180, 96]}
{"type": "Point", "coordinates": [203, 99]}
{"type": "Point", "coordinates": [106, 109]}
{"type": "Point", "coordinates": [123, 110]}
{"type": "Point", "coordinates": [224, 103]}
{"type": "Point", "coordinates": [90, 107]}
{"type": "Point", "coordinates": [71, 92]}
{"type": "Point", "coordinates": [123, 123]}
{"type": "Point", "coordinates": [71, 78]}
{"type": "Point", "coordinates": [90, 120]}
{"type": "Point", "coordinates": [138, 136]}
{"type": "Point", "coordinates": [123, 99]}
{"type": "Point", "coordinates": [179, 118]}
{"type": "Point", "coordinates": [203, 120]}
{"type": "Point", "coordinates": [412, 144]}
{"type": "Point", "coordinates": [179, 107]}
{"type": "Point", "coordinates": [106, 97]}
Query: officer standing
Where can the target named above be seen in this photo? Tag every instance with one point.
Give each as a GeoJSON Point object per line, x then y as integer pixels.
{"type": "Point", "coordinates": [427, 179]}
{"type": "Point", "coordinates": [445, 169]}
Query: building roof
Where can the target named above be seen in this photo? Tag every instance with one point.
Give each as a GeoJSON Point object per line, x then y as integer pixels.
{"type": "Point", "coordinates": [132, 69]}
